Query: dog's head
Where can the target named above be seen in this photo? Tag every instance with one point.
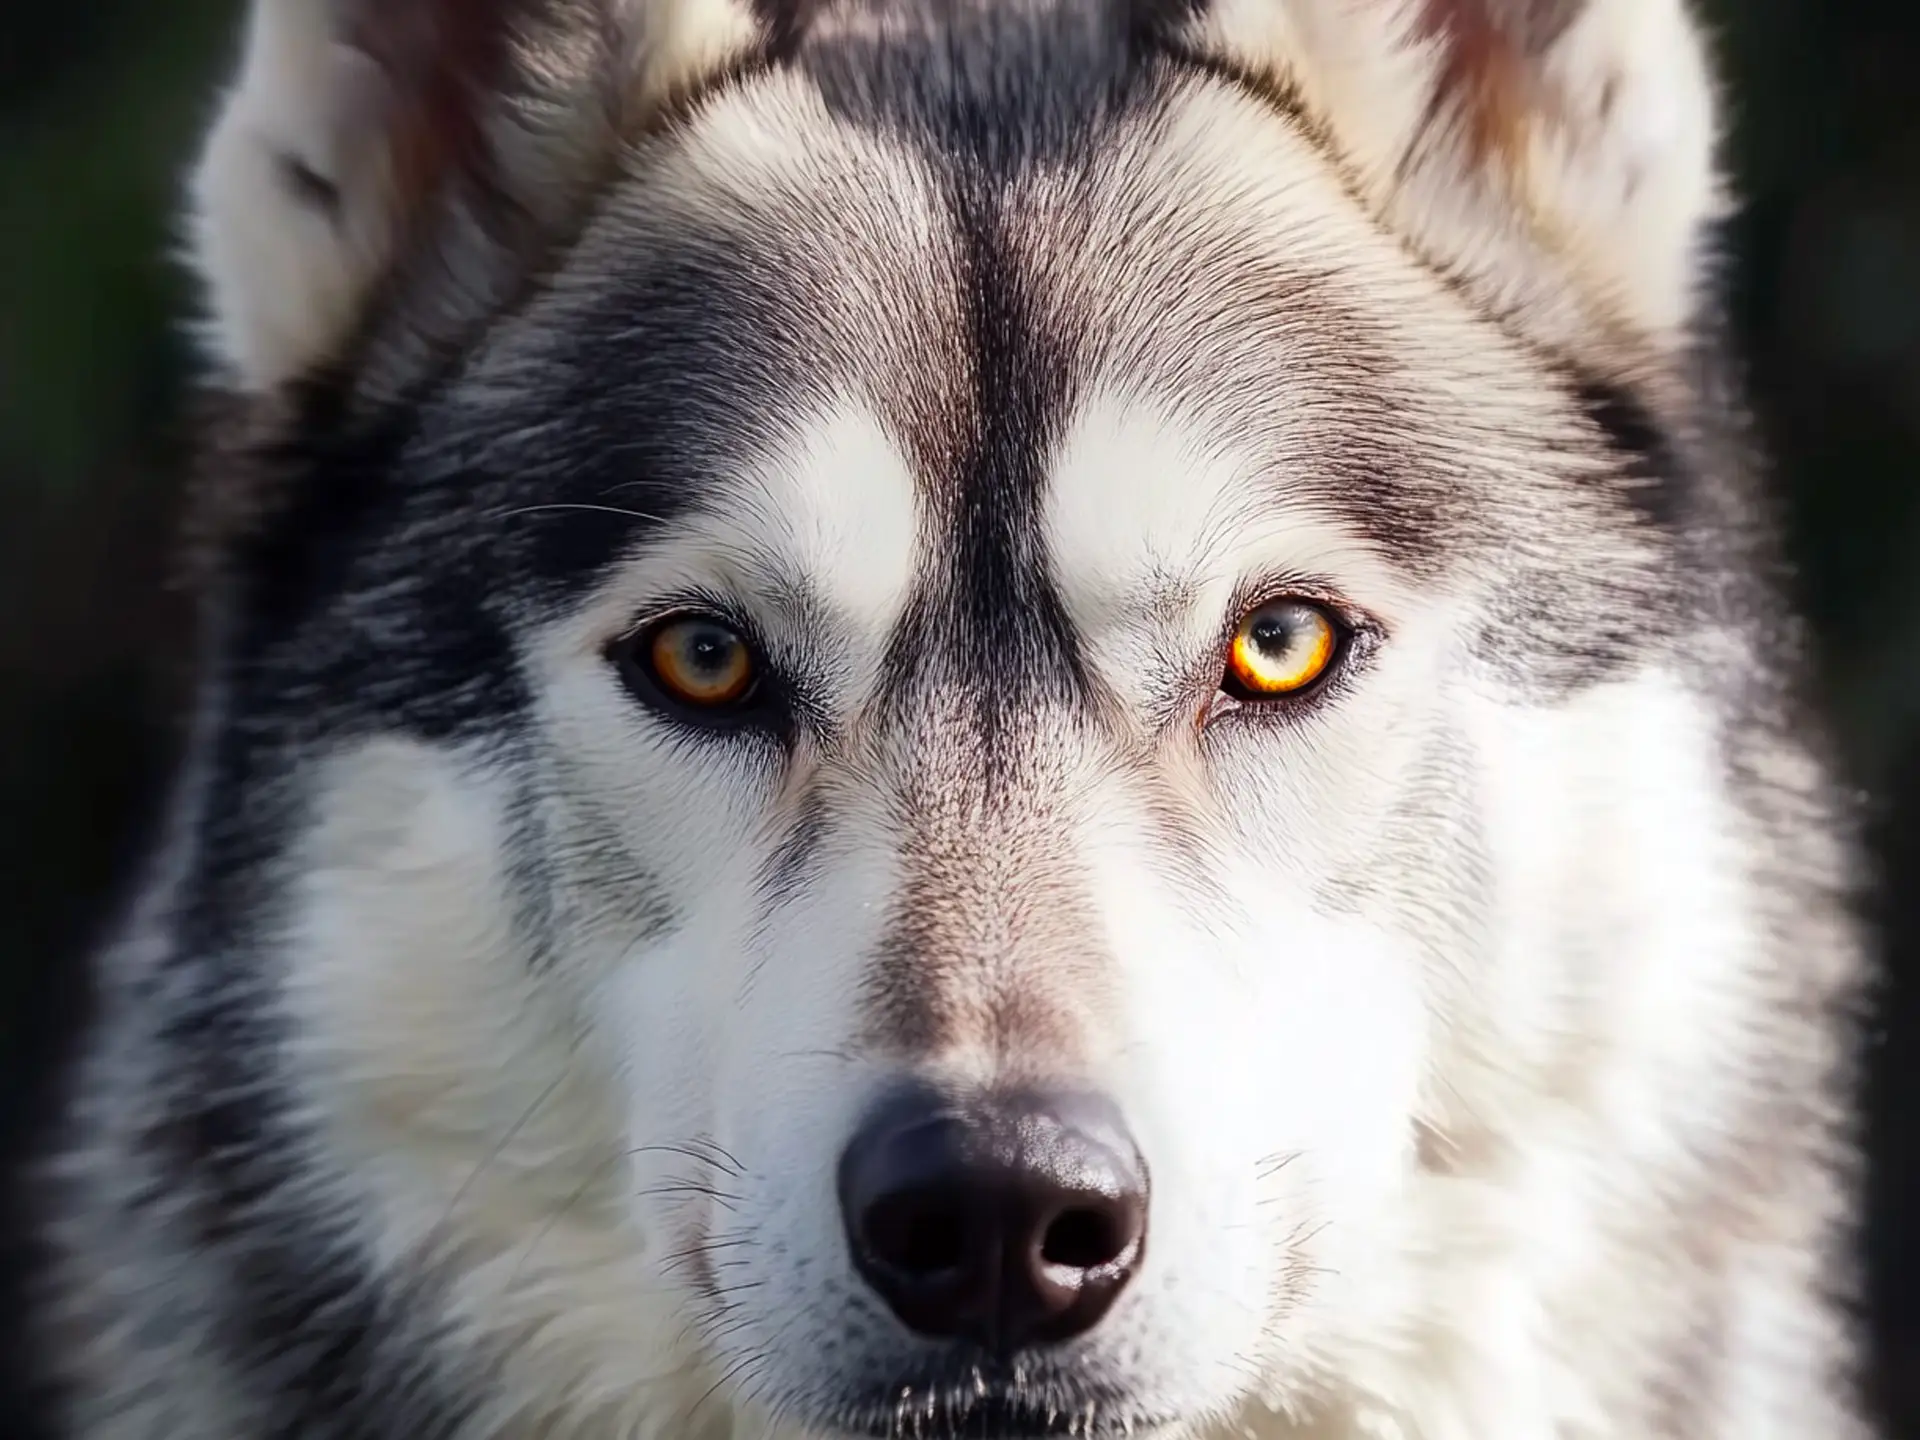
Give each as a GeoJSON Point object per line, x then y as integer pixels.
{"type": "Point", "coordinates": [966, 683]}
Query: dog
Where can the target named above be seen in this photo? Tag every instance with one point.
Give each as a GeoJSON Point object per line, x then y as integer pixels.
{"type": "Point", "coordinates": [1004, 718]}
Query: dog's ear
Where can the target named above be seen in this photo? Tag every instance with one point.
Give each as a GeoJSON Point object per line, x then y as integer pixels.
{"type": "Point", "coordinates": [360, 135]}
{"type": "Point", "coordinates": [1556, 156]}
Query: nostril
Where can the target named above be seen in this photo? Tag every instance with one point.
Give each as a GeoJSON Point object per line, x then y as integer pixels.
{"type": "Point", "coordinates": [1083, 1239]}
{"type": "Point", "coordinates": [917, 1236]}
{"type": "Point", "coordinates": [1007, 1222]}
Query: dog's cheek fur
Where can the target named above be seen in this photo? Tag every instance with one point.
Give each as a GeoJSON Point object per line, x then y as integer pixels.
{"type": "Point", "coordinates": [579, 1094]}
{"type": "Point", "coordinates": [1557, 1173]}
{"type": "Point", "coordinates": [745, 1079]}
{"type": "Point", "coordinates": [445, 1051]}
{"type": "Point", "coordinates": [1267, 1050]}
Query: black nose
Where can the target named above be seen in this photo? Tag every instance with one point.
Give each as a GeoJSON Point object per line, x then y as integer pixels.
{"type": "Point", "coordinates": [1008, 1223]}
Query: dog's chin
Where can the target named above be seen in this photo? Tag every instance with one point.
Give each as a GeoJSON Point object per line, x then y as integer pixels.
{"type": "Point", "coordinates": [996, 1418]}
{"type": "Point", "coordinates": [981, 1408]}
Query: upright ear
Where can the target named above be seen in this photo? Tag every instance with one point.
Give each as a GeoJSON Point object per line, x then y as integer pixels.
{"type": "Point", "coordinates": [451, 135]}
{"type": "Point", "coordinates": [1556, 156]}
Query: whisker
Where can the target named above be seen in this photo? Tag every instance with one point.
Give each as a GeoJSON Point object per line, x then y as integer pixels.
{"type": "Point", "coordinates": [709, 1143]}
{"type": "Point", "coordinates": [686, 1151]}
{"type": "Point", "coordinates": [418, 1278]}
{"type": "Point", "coordinates": [753, 1358]}
{"type": "Point", "coordinates": [558, 1215]}
{"type": "Point", "coordinates": [1271, 1165]}
{"type": "Point", "coordinates": [575, 505]}
{"type": "Point", "coordinates": [692, 1187]}
{"type": "Point", "coordinates": [499, 1149]}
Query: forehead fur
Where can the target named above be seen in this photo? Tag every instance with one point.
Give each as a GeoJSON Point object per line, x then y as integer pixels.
{"type": "Point", "coordinates": [976, 261]}
{"type": "Point", "coordinates": [972, 233]}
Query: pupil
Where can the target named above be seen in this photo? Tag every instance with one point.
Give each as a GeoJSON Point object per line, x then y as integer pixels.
{"type": "Point", "coordinates": [710, 650]}
{"type": "Point", "coordinates": [1272, 636]}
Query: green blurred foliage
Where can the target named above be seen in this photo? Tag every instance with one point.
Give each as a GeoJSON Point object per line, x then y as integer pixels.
{"type": "Point", "coordinates": [98, 118]}
{"type": "Point", "coordinates": [89, 296]}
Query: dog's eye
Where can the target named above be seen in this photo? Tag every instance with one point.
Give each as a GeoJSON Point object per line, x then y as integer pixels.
{"type": "Point", "coordinates": [696, 661]}
{"type": "Point", "coordinates": [1280, 649]}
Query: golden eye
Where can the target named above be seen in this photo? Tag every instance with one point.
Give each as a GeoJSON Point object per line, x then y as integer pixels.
{"type": "Point", "coordinates": [1280, 649]}
{"type": "Point", "coordinates": [699, 661]}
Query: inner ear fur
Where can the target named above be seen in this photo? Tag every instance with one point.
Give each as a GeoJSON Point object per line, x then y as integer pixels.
{"type": "Point", "coordinates": [445, 138]}
{"type": "Point", "coordinates": [1556, 157]}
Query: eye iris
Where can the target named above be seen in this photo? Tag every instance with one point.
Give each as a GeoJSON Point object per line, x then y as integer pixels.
{"type": "Point", "coordinates": [1282, 648]}
{"type": "Point", "coordinates": [702, 663]}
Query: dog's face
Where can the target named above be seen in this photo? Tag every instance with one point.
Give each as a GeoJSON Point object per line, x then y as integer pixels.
{"type": "Point", "coordinates": [986, 630]}
{"type": "Point", "coordinates": [1012, 710]}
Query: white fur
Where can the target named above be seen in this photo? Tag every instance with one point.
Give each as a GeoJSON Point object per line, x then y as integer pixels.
{"type": "Point", "coordinates": [285, 278]}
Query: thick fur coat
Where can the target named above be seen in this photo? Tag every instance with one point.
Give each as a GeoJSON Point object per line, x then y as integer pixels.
{"type": "Point", "coordinates": [993, 387]}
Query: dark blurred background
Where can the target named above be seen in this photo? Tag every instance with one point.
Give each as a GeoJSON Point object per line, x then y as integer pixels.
{"type": "Point", "coordinates": [100, 103]}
